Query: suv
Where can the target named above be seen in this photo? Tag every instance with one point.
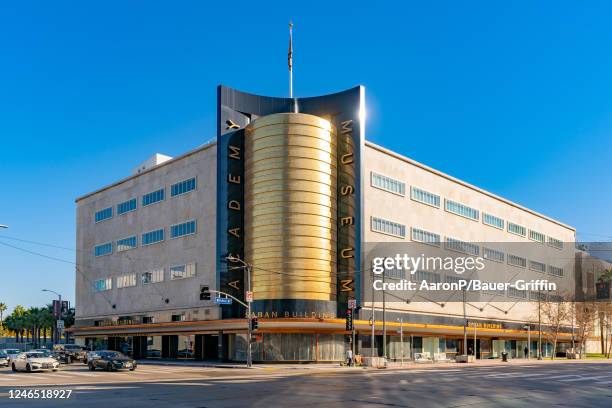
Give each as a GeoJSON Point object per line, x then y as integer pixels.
{"type": "Point", "coordinates": [71, 351]}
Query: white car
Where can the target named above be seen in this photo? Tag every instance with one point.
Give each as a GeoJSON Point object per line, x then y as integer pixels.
{"type": "Point", "coordinates": [33, 361]}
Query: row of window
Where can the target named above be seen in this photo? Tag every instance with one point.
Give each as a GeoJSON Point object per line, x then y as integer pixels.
{"type": "Point", "coordinates": [182, 187]}
{"type": "Point", "coordinates": [155, 276]}
{"type": "Point", "coordinates": [147, 238]}
{"type": "Point", "coordinates": [430, 238]}
{"type": "Point", "coordinates": [425, 197]}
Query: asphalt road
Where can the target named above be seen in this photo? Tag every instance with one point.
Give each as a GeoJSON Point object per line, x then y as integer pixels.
{"type": "Point", "coordinates": [526, 385]}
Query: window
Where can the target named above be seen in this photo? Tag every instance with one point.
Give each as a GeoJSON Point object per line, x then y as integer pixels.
{"type": "Point", "coordinates": [148, 319]}
{"type": "Point", "coordinates": [388, 184]}
{"type": "Point", "coordinates": [388, 227]}
{"type": "Point", "coordinates": [462, 210]}
{"type": "Point", "coordinates": [493, 221]}
{"type": "Point", "coordinates": [153, 197]}
{"type": "Point", "coordinates": [535, 295]}
{"type": "Point", "coordinates": [429, 277]}
{"type": "Point", "coordinates": [461, 246]}
{"type": "Point", "coordinates": [515, 293]}
{"type": "Point", "coordinates": [101, 285]}
{"type": "Point", "coordinates": [537, 236]}
{"type": "Point", "coordinates": [517, 229]}
{"type": "Point", "coordinates": [126, 281]}
{"type": "Point", "coordinates": [152, 237]}
{"type": "Point", "coordinates": [186, 228]}
{"type": "Point", "coordinates": [183, 187]}
{"type": "Point", "coordinates": [537, 266]}
{"type": "Point", "coordinates": [103, 249]}
{"type": "Point", "coordinates": [517, 261]}
{"type": "Point", "coordinates": [153, 276]}
{"type": "Point", "coordinates": [104, 214]}
{"type": "Point", "coordinates": [556, 243]}
{"type": "Point", "coordinates": [424, 197]}
{"type": "Point", "coordinates": [420, 235]}
{"type": "Point", "coordinates": [127, 243]}
{"type": "Point", "coordinates": [553, 270]}
{"type": "Point", "coordinates": [126, 206]}
{"type": "Point", "coordinates": [494, 255]}
{"type": "Point", "coordinates": [178, 317]}
{"type": "Point", "coordinates": [182, 271]}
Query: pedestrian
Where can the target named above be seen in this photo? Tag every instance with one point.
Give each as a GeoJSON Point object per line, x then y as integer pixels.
{"type": "Point", "coordinates": [526, 352]}
{"type": "Point", "coordinates": [349, 357]}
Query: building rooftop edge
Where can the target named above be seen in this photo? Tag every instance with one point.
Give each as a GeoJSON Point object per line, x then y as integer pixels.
{"type": "Point", "coordinates": [123, 180]}
{"type": "Point", "coordinates": [465, 184]}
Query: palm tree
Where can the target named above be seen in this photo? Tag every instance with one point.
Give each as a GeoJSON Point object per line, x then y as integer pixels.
{"type": "Point", "coordinates": [19, 323]}
{"type": "Point", "coordinates": [47, 322]}
{"type": "Point", "coordinates": [3, 308]}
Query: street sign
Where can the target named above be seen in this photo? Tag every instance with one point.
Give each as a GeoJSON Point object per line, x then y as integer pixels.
{"type": "Point", "coordinates": [352, 303]}
{"type": "Point", "coordinates": [223, 301]}
{"type": "Point", "coordinates": [60, 324]}
{"type": "Point", "coordinates": [249, 296]}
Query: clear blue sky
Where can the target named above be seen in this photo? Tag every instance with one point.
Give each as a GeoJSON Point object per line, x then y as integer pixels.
{"type": "Point", "coordinates": [514, 97]}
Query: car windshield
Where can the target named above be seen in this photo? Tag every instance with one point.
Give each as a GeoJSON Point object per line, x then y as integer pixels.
{"type": "Point", "coordinates": [114, 354]}
{"type": "Point", "coordinates": [12, 351]}
{"type": "Point", "coordinates": [35, 355]}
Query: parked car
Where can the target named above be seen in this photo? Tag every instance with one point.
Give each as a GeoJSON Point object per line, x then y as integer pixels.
{"type": "Point", "coordinates": [4, 359]}
{"type": "Point", "coordinates": [153, 353]}
{"type": "Point", "coordinates": [74, 351]}
{"type": "Point", "coordinates": [111, 361]}
{"type": "Point", "coordinates": [33, 361]}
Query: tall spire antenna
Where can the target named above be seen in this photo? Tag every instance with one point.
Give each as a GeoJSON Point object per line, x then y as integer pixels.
{"type": "Point", "coordinates": [290, 59]}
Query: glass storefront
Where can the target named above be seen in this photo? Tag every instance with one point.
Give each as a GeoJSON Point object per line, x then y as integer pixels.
{"type": "Point", "coordinates": [290, 347]}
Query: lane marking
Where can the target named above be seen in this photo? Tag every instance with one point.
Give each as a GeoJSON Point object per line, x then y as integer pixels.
{"type": "Point", "coordinates": [586, 378]}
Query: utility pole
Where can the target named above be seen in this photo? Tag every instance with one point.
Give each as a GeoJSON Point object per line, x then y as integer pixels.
{"type": "Point", "coordinates": [539, 325]}
{"type": "Point", "coordinates": [465, 323]}
{"type": "Point", "coordinates": [475, 347]}
{"type": "Point", "coordinates": [56, 335]}
{"type": "Point", "coordinates": [384, 318]}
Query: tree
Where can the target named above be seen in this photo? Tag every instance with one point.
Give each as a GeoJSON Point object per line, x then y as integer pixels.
{"type": "Point", "coordinates": [555, 315]}
{"type": "Point", "coordinates": [3, 308]}
{"type": "Point", "coordinates": [585, 316]}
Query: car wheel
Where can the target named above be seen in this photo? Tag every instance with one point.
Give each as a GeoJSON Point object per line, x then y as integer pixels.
{"type": "Point", "coordinates": [13, 367]}
{"type": "Point", "coordinates": [132, 369]}
{"type": "Point", "coordinates": [28, 368]}
{"type": "Point", "coordinates": [91, 367]}
{"type": "Point", "coordinates": [55, 369]}
{"type": "Point", "coordinates": [109, 367]}
{"type": "Point", "coordinates": [68, 360]}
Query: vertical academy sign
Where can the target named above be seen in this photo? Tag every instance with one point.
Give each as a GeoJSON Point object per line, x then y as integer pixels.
{"type": "Point", "coordinates": [235, 110]}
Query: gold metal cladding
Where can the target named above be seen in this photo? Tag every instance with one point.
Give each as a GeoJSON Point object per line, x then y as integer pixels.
{"type": "Point", "coordinates": [290, 191]}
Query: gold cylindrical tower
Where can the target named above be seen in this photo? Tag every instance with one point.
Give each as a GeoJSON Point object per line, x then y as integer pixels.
{"type": "Point", "coordinates": [290, 207]}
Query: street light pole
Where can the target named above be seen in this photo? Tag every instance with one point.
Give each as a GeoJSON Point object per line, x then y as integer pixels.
{"type": "Point", "coordinates": [539, 325]}
{"type": "Point", "coordinates": [465, 323]}
{"type": "Point", "coordinates": [402, 340]}
{"type": "Point", "coordinates": [528, 327]}
{"type": "Point", "coordinates": [248, 299]}
{"type": "Point", "coordinates": [56, 336]}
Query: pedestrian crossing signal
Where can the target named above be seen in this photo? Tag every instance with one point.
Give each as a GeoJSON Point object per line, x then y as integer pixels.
{"type": "Point", "coordinates": [254, 323]}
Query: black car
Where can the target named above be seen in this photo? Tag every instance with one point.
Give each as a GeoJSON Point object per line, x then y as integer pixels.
{"type": "Point", "coordinates": [111, 361]}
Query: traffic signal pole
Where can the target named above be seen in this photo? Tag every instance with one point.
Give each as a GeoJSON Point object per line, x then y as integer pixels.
{"type": "Point", "coordinates": [250, 329]}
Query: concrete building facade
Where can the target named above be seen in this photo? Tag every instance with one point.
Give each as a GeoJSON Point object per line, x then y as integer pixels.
{"type": "Point", "coordinates": [148, 249]}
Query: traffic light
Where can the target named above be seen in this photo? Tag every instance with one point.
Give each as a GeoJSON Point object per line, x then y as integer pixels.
{"type": "Point", "coordinates": [204, 293]}
{"type": "Point", "coordinates": [254, 323]}
{"type": "Point", "coordinates": [349, 319]}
